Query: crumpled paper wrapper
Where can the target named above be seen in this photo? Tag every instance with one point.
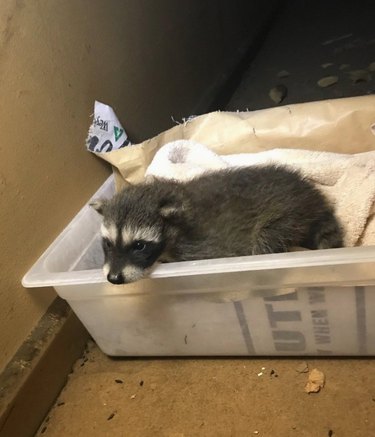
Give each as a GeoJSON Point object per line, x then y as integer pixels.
{"type": "Point", "coordinates": [106, 133]}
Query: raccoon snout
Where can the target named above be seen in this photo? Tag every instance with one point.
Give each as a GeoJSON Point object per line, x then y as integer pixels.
{"type": "Point", "coordinates": [116, 278]}
{"type": "Point", "coordinates": [130, 273]}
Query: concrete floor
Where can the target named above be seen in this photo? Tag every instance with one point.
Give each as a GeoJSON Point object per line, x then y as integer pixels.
{"type": "Point", "coordinates": [226, 397]}
{"type": "Point", "coordinates": [312, 40]}
{"type": "Point", "coordinates": [212, 397]}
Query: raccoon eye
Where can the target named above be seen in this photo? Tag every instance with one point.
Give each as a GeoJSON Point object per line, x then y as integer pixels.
{"type": "Point", "coordinates": [139, 246]}
{"type": "Point", "coordinates": [107, 244]}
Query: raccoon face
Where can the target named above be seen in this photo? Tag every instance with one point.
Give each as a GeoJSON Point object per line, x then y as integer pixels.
{"type": "Point", "coordinates": [133, 237]}
{"type": "Point", "coordinates": [129, 254]}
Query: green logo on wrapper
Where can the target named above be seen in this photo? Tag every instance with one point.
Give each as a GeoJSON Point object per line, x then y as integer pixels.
{"type": "Point", "coordinates": [118, 132]}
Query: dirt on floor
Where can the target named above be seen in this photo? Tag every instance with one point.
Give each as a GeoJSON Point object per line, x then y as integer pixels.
{"type": "Point", "coordinates": [213, 397]}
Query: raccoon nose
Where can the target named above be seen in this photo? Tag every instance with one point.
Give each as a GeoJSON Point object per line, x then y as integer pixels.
{"type": "Point", "coordinates": [115, 278]}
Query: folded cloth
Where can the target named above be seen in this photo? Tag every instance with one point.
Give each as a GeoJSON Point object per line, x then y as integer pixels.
{"type": "Point", "coordinates": [348, 181]}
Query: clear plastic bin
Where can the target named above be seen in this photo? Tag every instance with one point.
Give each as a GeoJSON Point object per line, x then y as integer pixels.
{"type": "Point", "coordinates": [301, 303]}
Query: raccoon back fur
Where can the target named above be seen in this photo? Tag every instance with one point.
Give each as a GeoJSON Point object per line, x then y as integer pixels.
{"type": "Point", "coordinates": [234, 212]}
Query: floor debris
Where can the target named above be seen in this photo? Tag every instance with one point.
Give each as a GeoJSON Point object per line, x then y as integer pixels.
{"type": "Point", "coordinates": [336, 39]}
{"type": "Point", "coordinates": [327, 81]}
{"type": "Point", "coordinates": [302, 367]}
{"type": "Point", "coordinates": [283, 74]}
{"type": "Point", "coordinates": [357, 76]}
{"type": "Point", "coordinates": [111, 416]}
{"type": "Point", "coordinates": [315, 382]}
{"type": "Point", "coordinates": [278, 93]}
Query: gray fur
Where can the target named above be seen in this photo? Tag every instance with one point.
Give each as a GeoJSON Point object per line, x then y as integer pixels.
{"type": "Point", "coordinates": [236, 212]}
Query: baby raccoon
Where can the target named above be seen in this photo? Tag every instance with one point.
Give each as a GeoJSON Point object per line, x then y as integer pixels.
{"type": "Point", "coordinates": [234, 212]}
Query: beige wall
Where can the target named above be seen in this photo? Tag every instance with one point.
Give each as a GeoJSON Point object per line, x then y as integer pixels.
{"type": "Point", "coordinates": [148, 59]}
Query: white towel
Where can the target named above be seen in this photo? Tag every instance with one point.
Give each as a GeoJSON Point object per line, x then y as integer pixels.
{"type": "Point", "coordinates": [347, 180]}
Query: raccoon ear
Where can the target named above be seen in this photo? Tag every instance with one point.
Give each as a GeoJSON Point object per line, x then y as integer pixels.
{"type": "Point", "coordinates": [171, 208]}
{"type": "Point", "coordinates": [170, 211]}
{"type": "Point", "coordinates": [98, 205]}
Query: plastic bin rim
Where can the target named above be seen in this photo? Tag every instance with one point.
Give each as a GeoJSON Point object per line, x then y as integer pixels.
{"type": "Point", "coordinates": [315, 258]}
